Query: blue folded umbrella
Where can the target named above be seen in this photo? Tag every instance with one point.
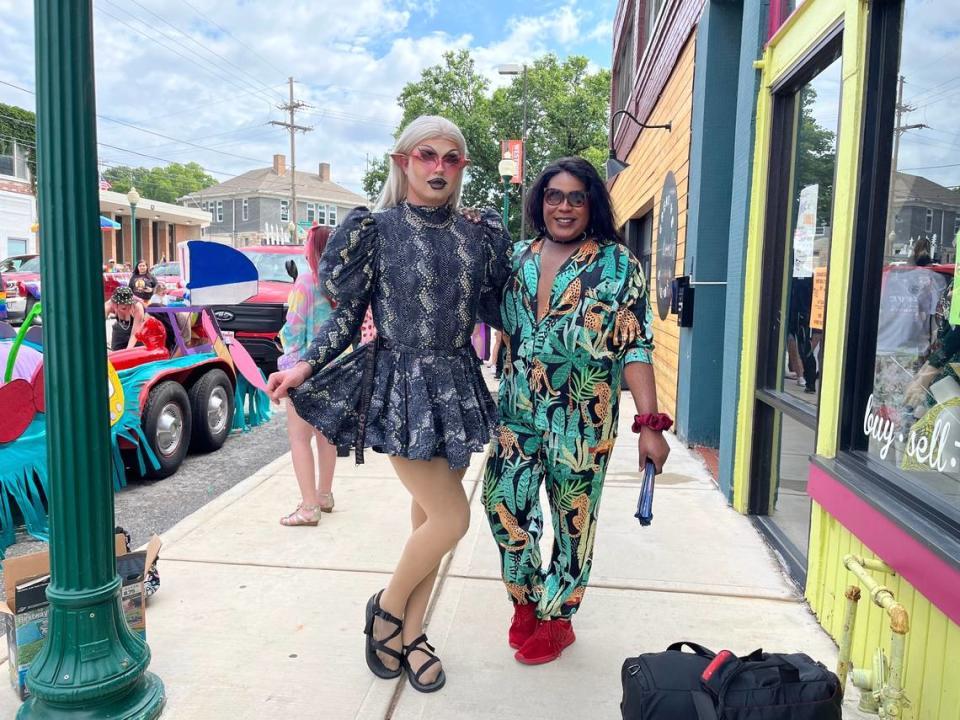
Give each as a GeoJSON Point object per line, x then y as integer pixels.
{"type": "Point", "coordinates": [645, 502]}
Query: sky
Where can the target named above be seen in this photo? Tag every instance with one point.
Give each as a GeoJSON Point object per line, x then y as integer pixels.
{"type": "Point", "coordinates": [212, 72]}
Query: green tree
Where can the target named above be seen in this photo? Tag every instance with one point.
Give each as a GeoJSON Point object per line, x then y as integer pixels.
{"type": "Point", "coordinates": [567, 114]}
{"type": "Point", "coordinates": [375, 177]}
{"type": "Point", "coordinates": [166, 183]}
{"type": "Point", "coordinates": [816, 157]}
{"type": "Point", "coordinates": [455, 90]}
{"type": "Point", "coordinates": [19, 126]}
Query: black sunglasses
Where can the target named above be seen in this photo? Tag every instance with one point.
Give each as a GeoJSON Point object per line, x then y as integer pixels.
{"type": "Point", "coordinates": [576, 198]}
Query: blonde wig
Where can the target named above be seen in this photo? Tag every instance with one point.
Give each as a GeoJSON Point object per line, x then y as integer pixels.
{"type": "Point", "coordinates": [420, 130]}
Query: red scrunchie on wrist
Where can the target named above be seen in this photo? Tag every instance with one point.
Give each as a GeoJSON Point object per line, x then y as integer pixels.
{"type": "Point", "coordinates": [654, 421]}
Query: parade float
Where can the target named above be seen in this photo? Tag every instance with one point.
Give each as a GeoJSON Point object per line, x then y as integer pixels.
{"type": "Point", "coordinates": [167, 396]}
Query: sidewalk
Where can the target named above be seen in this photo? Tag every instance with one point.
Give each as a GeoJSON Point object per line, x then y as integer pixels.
{"type": "Point", "coordinates": [255, 620]}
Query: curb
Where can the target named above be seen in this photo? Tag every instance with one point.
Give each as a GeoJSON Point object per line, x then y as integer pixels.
{"type": "Point", "coordinates": [223, 501]}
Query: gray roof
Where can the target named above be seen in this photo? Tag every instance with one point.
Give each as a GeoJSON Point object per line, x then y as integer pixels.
{"type": "Point", "coordinates": [914, 189]}
{"type": "Point", "coordinates": [265, 181]}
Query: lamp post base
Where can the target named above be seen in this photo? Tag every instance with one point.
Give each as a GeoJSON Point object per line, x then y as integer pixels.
{"type": "Point", "coordinates": [144, 701]}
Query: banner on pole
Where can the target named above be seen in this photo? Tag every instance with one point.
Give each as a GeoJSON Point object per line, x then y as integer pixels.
{"type": "Point", "coordinates": [515, 150]}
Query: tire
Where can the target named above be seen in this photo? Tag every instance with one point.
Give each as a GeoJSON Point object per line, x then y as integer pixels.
{"type": "Point", "coordinates": [211, 401]}
{"type": "Point", "coordinates": [167, 423]}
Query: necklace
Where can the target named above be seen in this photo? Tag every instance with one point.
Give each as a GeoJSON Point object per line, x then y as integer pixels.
{"type": "Point", "coordinates": [124, 325]}
{"type": "Point", "coordinates": [579, 238]}
{"type": "Point", "coordinates": [427, 216]}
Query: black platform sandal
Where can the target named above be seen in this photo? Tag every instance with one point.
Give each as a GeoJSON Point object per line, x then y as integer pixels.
{"type": "Point", "coordinates": [374, 646]}
{"type": "Point", "coordinates": [421, 645]}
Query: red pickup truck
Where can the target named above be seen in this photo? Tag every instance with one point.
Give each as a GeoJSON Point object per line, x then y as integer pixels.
{"type": "Point", "coordinates": [256, 322]}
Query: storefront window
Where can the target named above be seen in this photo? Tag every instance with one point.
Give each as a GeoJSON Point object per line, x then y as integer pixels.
{"type": "Point", "coordinates": [792, 393]}
{"type": "Point", "coordinates": [812, 202]}
{"type": "Point", "coordinates": [912, 417]}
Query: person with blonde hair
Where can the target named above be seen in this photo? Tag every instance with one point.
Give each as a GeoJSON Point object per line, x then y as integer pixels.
{"type": "Point", "coordinates": [416, 392]}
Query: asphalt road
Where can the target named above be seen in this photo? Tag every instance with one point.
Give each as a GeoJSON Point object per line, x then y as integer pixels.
{"type": "Point", "coordinates": [147, 507]}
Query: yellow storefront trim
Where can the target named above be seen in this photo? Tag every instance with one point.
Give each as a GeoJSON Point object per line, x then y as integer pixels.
{"type": "Point", "coordinates": [813, 21]}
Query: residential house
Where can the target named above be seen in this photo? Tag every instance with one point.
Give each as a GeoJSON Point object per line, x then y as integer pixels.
{"type": "Point", "coordinates": [254, 208]}
{"type": "Point", "coordinates": [925, 209]}
{"type": "Point", "coordinates": [18, 206]}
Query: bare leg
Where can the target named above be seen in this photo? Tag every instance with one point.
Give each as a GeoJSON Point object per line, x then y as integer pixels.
{"type": "Point", "coordinates": [439, 493]}
{"type": "Point", "coordinates": [300, 433]}
{"type": "Point", "coordinates": [326, 461]}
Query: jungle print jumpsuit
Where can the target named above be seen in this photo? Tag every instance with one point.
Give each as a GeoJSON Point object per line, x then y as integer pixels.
{"type": "Point", "coordinates": [559, 403]}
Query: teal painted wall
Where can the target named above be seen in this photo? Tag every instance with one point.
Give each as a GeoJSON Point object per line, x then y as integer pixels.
{"type": "Point", "coordinates": [752, 39]}
{"type": "Point", "coordinates": [716, 78]}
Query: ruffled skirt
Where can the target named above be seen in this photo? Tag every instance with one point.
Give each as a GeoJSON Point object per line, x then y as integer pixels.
{"type": "Point", "coordinates": [421, 405]}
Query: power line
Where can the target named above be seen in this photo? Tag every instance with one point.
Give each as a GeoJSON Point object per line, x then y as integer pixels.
{"type": "Point", "coordinates": [204, 47]}
{"type": "Point", "coordinates": [166, 160]}
{"type": "Point", "coordinates": [152, 132]}
{"type": "Point", "coordinates": [227, 32]}
{"type": "Point", "coordinates": [928, 167]}
{"type": "Point", "coordinates": [173, 139]}
{"type": "Point", "coordinates": [17, 87]}
{"type": "Point", "coordinates": [216, 73]}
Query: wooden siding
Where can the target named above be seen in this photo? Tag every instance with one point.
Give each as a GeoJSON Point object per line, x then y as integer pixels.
{"type": "Point", "coordinates": [656, 60]}
{"type": "Point", "coordinates": [933, 644]}
{"type": "Point", "coordinates": [637, 189]}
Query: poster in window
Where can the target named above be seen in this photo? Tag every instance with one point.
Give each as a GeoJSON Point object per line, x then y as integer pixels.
{"type": "Point", "coordinates": [666, 245]}
{"type": "Point", "coordinates": [818, 307]}
{"type": "Point", "coordinates": [803, 236]}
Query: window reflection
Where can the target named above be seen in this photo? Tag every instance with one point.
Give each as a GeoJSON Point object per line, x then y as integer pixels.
{"type": "Point", "coordinates": [811, 219]}
{"type": "Point", "coordinates": [913, 417]}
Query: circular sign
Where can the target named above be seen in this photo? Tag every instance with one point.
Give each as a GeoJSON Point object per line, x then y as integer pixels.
{"type": "Point", "coordinates": [666, 245]}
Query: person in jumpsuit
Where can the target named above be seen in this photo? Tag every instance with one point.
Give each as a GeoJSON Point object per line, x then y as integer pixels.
{"type": "Point", "coordinates": [576, 323]}
{"type": "Point", "coordinates": [416, 392]}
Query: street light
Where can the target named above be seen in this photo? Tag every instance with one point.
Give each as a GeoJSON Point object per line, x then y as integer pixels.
{"type": "Point", "coordinates": [614, 166]}
{"type": "Point", "coordinates": [133, 197]}
{"type": "Point", "coordinates": [91, 664]}
{"type": "Point", "coordinates": [515, 69]}
{"type": "Point", "coordinates": [507, 169]}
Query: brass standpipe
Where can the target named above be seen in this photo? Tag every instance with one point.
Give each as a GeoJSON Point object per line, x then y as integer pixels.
{"type": "Point", "coordinates": [882, 684]}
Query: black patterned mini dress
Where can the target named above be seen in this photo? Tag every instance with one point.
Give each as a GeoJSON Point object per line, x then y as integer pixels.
{"type": "Point", "coordinates": [429, 276]}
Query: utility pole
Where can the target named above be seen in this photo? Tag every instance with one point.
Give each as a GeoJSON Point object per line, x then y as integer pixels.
{"type": "Point", "coordinates": [898, 129]}
{"type": "Point", "coordinates": [291, 107]}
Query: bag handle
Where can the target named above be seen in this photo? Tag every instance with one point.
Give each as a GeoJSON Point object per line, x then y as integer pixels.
{"type": "Point", "coordinates": [698, 649]}
{"type": "Point", "coordinates": [704, 705]}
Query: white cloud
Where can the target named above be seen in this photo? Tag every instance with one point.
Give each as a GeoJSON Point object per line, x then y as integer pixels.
{"type": "Point", "coordinates": [350, 61]}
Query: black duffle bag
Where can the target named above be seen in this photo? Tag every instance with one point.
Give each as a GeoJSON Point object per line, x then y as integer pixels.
{"type": "Point", "coordinates": [703, 685]}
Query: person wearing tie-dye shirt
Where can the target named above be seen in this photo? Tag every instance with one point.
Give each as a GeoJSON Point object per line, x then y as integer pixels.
{"type": "Point", "coordinates": [307, 309]}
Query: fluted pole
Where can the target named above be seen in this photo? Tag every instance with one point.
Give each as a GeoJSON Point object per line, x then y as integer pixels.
{"type": "Point", "coordinates": [92, 665]}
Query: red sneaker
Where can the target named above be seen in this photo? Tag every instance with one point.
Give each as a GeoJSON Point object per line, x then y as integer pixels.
{"type": "Point", "coordinates": [523, 624]}
{"type": "Point", "coordinates": [547, 642]}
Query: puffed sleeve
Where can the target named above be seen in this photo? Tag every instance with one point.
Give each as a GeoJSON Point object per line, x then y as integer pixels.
{"type": "Point", "coordinates": [635, 311]}
{"type": "Point", "coordinates": [498, 246]}
{"type": "Point", "coordinates": [347, 269]}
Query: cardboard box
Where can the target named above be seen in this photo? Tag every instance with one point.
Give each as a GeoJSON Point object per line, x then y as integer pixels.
{"type": "Point", "coordinates": [24, 615]}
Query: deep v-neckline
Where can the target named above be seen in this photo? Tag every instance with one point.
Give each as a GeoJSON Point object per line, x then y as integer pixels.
{"type": "Point", "coordinates": [536, 250]}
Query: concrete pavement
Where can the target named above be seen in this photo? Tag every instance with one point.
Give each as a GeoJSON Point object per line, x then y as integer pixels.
{"type": "Point", "coordinates": [256, 620]}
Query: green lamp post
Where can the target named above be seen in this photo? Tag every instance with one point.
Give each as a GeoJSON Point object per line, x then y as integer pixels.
{"type": "Point", "coordinates": [91, 665]}
{"type": "Point", "coordinates": [133, 197]}
{"type": "Point", "coordinates": [507, 169]}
